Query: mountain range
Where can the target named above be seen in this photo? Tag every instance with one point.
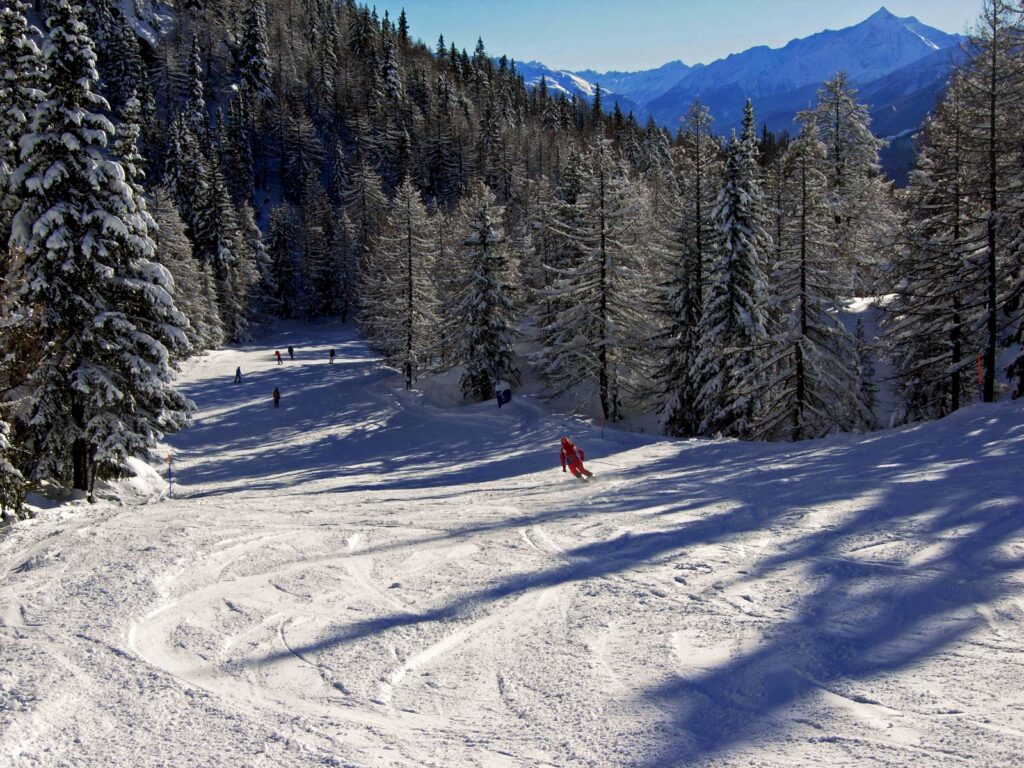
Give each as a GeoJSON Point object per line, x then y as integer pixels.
{"type": "Point", "coordinates": [899, 66]}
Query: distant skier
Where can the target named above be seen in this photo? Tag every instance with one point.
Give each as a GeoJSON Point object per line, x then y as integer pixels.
{"type": "Point", "coordinates": [291, 352]}
{"type": "Point", "coordinates": [572, 456]}
{"type": "Point", "coordinates": [331, 356]}
{"type": "Point", "coordinates": [238, 375]}
{"type": "Point", "coordinates": [277, 354]}
{"type": "Point", "coordinates": [277, 397]}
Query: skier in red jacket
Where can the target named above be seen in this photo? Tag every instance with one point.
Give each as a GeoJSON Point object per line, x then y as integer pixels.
{"type": "Point", "coordinates": [572, 456]}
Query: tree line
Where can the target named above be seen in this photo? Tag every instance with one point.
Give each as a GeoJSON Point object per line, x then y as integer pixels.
{"type": "Point", "coordinates": [311, 159]}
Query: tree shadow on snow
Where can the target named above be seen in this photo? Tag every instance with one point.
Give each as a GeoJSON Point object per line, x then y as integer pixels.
{"type": "Point", "coordinates": [955, 485]}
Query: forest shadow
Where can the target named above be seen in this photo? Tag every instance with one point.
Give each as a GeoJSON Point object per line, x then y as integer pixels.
{"type": "Point", "coordinates": [956, 484]}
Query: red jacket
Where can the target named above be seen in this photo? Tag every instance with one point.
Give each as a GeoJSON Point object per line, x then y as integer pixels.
{"type": "Point", "coordinates": [571, 454]}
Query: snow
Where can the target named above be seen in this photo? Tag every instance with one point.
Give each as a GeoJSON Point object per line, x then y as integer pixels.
{"type": "Point", "coordinates": [366, 577]}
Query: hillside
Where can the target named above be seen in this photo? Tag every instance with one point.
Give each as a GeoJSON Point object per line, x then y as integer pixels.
{"type": "Point", "coordinates": [364, 578]}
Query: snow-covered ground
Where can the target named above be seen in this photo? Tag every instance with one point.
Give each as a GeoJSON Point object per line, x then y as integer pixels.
{"type": "Point", "coordinates": [363, 578]}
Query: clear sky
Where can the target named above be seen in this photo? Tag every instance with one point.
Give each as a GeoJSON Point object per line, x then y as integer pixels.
{"type": "Point", "coordinates": [641, 34]}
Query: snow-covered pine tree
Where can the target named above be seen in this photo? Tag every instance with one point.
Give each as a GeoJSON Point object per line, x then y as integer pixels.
{"type": "Point", "coordinates": [282, 238]}
{"type": "Point", "coordinates": [733, 338]}
{"type": "Point", "coordinates": [21, 69]}
{"type": "Point", "coordinates": [698, 169]}
{"type": "Point", "coordinates": [403, 315]}
{"type": "Point", "coordinates": [344, 261]}
{"type": "Point", "coordinates": [102, 391]}
{"type": "Point", "coordinates": [568, 238]}
{"type": "Point", "coordinates": [12, 483]}
{"type": "Point", "coordinates": [482, 318]}
{"type": "Point", "coordinates": [363, 201]}
{"type": "Point", "coordinates": [932, 325]}
{"type": "Point", "coordinates": [253, 276]}
{"type": "Point", "coordinates": [993, 100]}
{"type": "Point", "coordinates": [303, 155]}
{"type": "Point", "coordinates": [193, 291]}
{"type": "Point", "coordinates": [187, 171]}
{"type": "Point", "coordinates": [254, 56]}
{"type": "Point", "coordinates": [236, 149]}
{"type": "Point", "coordinates": [217, 240]}
{"type": "Point", "coordinates": [863, 219]}
{"type": "Point", "coordinates": [595, 332]}
{"type": "Point", "coordinates": [812, 378]}
{"type": "Point", "coordinates": [317, 236]}
{"type": "Point", "coordinates": [194, 111]}
{"type": "Point", "coordinates": [119, 57]}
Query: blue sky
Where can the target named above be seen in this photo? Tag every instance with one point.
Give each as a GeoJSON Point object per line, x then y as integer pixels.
{"type": "Point", "coordinates": [640, 34]}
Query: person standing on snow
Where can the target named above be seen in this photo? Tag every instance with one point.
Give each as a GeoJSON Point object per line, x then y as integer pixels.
{"type": "Point", "coordinates": [572, 457]}
{"type": "Point", "coordinates": [277, 354]}
{"type": "Point", "coordinates": [331, 356]}
{"type": "Point", "coordinates": [238, 375]}
{"type": "Point", "coordinates": [291, 352]}
{"type": "Point", "coordinates": [277, 397]}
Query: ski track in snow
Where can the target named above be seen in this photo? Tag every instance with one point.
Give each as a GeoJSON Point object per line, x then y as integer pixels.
{"type": "Point", "coordinates": [364, 578]}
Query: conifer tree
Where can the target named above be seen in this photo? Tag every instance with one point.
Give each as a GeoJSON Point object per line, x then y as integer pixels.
{"type": "Point", "coordinates": [281, 246]}
{"type": "Point", "coordinates": [592, 334]}
{"type": "Point", "coordinates": [363, 202]}
{"type": "Point", "coordinates": [993, 99]}
{"type": "Point", "coordinates": [254, 57]}
{"type": "Point", "coordinates": [102, 391]}
{"type": "Point", "coordinates": [857, 190]}
{"type": "Point", "coordinates": [733, 338]}
{"type": "Point", "coordinates": [193, 291]}
{"type": "Point", "coordinates": [20, 74]}
{"type": "Point", "coordinates": [812, 373]}
{"type": "Point", "coordinates": [402, 317]}
{"type": "Point", "coordinates": [698, 169]}
{"type": "Point", "coordinates": [317, 236]}
{"type": "Point", "coordinates": [12, 483]}
{"type": "Point", "coordinates": [932, 324]}
{"type": "Point", "coordinates": [481, 319]}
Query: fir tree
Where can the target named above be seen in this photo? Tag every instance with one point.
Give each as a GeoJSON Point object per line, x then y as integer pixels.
{"type": "Point", "coordinates": [193, 291]}
{"type": "Point", "coordinates": [993, 97]}
{"type": "Point", "coordinates": [932, 323]}
{"type": "Point", "coordinates": [857, 190]}
{"type": "Point", "coordinates": [12, 483]}
{"type": "Point", "coordinates": [698, 169]}
{"type": "Point", "coordinates": [481, 319]}
{"type": "Point", "coordinates": [733, 338]}
{"type": "Point", "coordinates": [21, 69]}
{"type": "Point", "coordinates": [102, 392]}
{"type": "Point", "coordinates": [254, 57]}
{"type": "Point", "coordinates": [592, 334]}
{"type": "Point", "coordinates": [402, 315]}
{"type": "Point", "coordinates": [812, 375]}
{"type": "Point", "coordinates": [281, 246]}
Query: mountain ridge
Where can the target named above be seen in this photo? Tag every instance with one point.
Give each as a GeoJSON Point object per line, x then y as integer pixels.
{"type": "Point", "coordinates": [899, 64]}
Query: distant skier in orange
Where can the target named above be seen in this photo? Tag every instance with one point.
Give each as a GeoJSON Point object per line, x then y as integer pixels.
{"type": "Point", "coordinates": [572, 457]}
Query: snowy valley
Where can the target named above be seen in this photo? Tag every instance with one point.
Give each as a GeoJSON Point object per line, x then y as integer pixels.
{"type": "Point", "coordinates": [364, 578]}
{"type": "Point", "coordinates": [300, 316]}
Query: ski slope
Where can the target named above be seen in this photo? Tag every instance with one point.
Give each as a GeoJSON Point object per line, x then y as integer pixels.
{"type": "Point", "coordinates": [361, 578]}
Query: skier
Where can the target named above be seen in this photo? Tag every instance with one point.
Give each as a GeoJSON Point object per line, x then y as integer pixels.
{"type": "Point", "coordinates": [277, 397]}
{"type": "Point", "coordinates": [331, 357]}
{"type": "Point", "coordinates": [291, 352]}
{"type": "Point", "coordinates": [572, 456]}
{"type": "Point", "coordinates": [277, 354]}
{"type": "Point", "coordinates": [238, 375]}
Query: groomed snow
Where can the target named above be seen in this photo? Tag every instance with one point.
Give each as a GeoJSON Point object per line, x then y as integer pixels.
{"type": "Point", "coordinates": [362, 578]}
